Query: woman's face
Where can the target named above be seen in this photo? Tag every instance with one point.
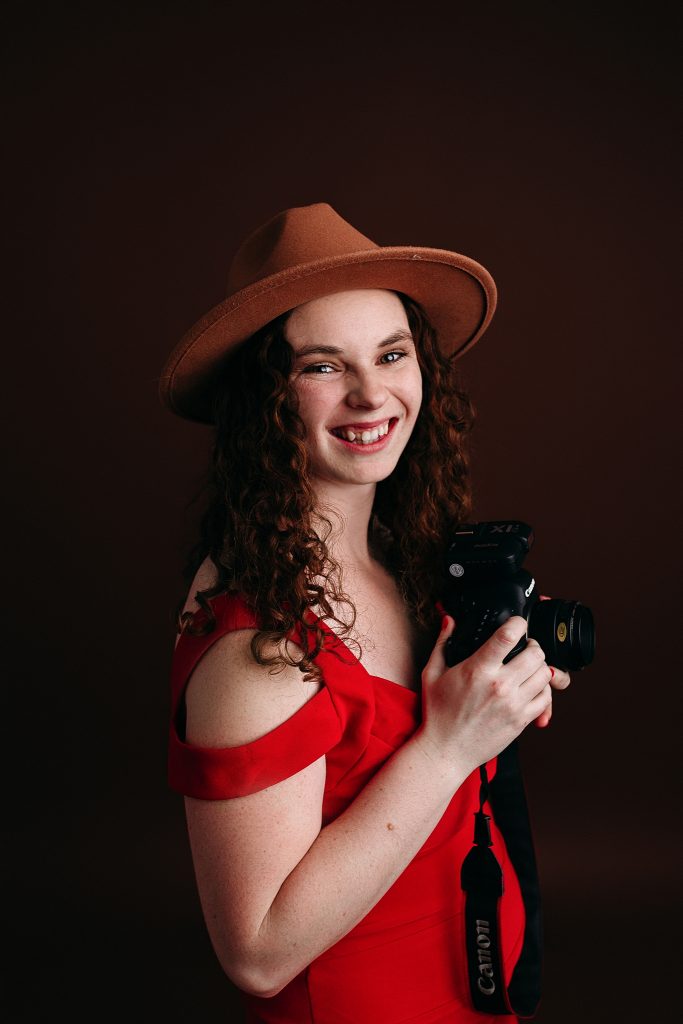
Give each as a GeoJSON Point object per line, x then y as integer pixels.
{"type": "Point", "coordinates": [359, 385]}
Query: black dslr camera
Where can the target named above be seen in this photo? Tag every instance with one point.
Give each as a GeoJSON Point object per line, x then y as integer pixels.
{"type": "Point", "coordinates": [486, 586]}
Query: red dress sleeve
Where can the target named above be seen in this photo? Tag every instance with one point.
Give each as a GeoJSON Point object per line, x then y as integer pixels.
{"type": "Point", "coordinates": [220, 773]}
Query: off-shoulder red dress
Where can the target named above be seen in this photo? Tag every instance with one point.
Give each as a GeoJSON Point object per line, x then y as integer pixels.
{"type": "Point", "coordinates": [405, 962]}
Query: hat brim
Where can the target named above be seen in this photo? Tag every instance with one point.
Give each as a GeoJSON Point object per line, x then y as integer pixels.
{"type": "Point", "coordinates": [456, 292]}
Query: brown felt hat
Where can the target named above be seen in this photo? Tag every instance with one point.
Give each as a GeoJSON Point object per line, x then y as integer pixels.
{"type": "Point", "coordinates": [302, 254]}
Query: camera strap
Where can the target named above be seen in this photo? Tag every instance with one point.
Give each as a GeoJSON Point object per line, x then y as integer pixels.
{"type": "Point", "coordinates": [482, 880]}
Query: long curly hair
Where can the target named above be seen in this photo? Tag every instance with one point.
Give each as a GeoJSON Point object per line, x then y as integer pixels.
{"type": "Point", "coordinates": [262, 529]}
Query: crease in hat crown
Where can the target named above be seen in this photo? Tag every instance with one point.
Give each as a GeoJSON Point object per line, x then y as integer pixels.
{"type": "Point", "coordinates": [303, 234]}
{"type": "Point", "coordinates": [301, 254]}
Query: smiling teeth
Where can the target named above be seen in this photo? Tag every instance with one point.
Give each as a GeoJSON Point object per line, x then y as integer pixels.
{"type": "Point", "coordinates": [364, 436]}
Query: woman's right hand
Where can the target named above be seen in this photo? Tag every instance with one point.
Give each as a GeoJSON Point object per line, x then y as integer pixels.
{"type": "Point", "coordinates": [473, 710]}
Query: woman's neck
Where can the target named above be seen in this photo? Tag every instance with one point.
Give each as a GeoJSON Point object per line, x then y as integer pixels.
{"type": "Point", "coordinates": [349, 509]}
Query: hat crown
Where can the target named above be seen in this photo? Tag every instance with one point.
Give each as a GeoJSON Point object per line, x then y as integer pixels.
{"type": "Point", "coordinates": [300, 235]}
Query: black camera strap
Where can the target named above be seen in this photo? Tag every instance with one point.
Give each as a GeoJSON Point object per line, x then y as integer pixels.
{"type": "Point", "coordinates": [482, 880]}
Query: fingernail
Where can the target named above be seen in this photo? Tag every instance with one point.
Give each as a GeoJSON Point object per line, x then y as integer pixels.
{"type": "Point", "coordinates": [444, 622]}
{"type": "Point", "coordinates": [552, 670]}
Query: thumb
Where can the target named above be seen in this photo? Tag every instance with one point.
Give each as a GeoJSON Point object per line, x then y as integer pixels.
{"type": "Point", "coordinates": [436, 665]}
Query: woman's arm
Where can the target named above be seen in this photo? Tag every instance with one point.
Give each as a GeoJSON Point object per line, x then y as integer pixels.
{"type": "Point", "coordinates": [276, 889]}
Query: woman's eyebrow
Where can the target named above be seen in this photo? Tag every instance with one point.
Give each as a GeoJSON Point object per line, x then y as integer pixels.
{"type": "Point", "coordinates": [330, 350]}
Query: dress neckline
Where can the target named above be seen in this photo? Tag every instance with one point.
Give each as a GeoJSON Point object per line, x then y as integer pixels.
{"type": "Point", "coordinates": [359, 663]}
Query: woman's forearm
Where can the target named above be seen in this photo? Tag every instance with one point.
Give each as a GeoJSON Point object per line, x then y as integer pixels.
{"type": "Point", "coordinates": [352, 863]}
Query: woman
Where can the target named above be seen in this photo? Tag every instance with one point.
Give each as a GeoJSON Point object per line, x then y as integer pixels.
{"type": "Point", "coordinates": [327, 755]}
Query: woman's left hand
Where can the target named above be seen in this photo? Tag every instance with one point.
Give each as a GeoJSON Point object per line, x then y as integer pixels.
{"type": "Point", "coordinates": [560, 681]}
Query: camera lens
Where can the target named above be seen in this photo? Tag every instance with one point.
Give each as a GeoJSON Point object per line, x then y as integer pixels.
{"type": "Point", "coordinates": [566, 632]}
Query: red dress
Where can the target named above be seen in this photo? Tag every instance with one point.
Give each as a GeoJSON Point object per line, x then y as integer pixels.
{"type": "Point", "coordinates": [404, 962]}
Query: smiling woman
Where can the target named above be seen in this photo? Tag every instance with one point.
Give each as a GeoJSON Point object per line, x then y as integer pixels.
{"type": "Point", "coordinates": [326, 753]}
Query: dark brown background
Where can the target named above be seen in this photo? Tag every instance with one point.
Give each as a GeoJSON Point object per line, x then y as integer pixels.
{"type": "Point", "coordinates": [141, 145]}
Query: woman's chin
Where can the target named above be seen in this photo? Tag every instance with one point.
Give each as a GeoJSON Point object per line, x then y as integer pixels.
{"type": "Point", "coordinates": [353, 475]}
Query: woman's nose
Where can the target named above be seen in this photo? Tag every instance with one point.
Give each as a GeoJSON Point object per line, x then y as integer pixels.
{"type": "Point", "coordinates": [367, 390]}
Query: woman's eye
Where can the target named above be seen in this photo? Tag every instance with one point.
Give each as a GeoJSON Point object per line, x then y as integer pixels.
{"type": "Point", "coordinates": [318, 368]}
{"type": "Point", "coordinates": [393, 357]}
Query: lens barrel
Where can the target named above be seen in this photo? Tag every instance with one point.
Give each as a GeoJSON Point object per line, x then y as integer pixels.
{"type": "Point", "coordinates": [566, 632]}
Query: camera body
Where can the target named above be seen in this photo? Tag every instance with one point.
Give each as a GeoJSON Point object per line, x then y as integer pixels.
{"type": "Point", "coordinates": [486, 585]}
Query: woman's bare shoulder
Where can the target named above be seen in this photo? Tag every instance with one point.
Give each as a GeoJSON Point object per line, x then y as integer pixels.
{"type": "Point", "coordinates": [231, 699]}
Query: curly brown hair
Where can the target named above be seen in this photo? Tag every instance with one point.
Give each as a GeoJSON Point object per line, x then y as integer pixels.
{"type": "Point", "coordinates": [258, 524]}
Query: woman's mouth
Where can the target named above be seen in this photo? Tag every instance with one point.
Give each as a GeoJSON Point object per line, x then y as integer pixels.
{"type": "Point", "coordinates": [365, 436]}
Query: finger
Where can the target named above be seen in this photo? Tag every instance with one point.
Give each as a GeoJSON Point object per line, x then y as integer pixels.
{"type": "Point", "coordinates": [543, 719]}
{"type": "Point", "coordinates": [544, 597]}
{"type": "Point", "coordinates": [533, 645]}
{"type": "Point", "coordinates": [504, 640]}
{"type": "Point", "coordinates": [540, 703]}
{"type": "Point", "coordinates": [537, 682]}
{"type": "Point", "coordinates": [561, 679]}
{"type": "Point", "coordinates": [436, 665]}
{"type": "Point", "coordinates": [526, 662]}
